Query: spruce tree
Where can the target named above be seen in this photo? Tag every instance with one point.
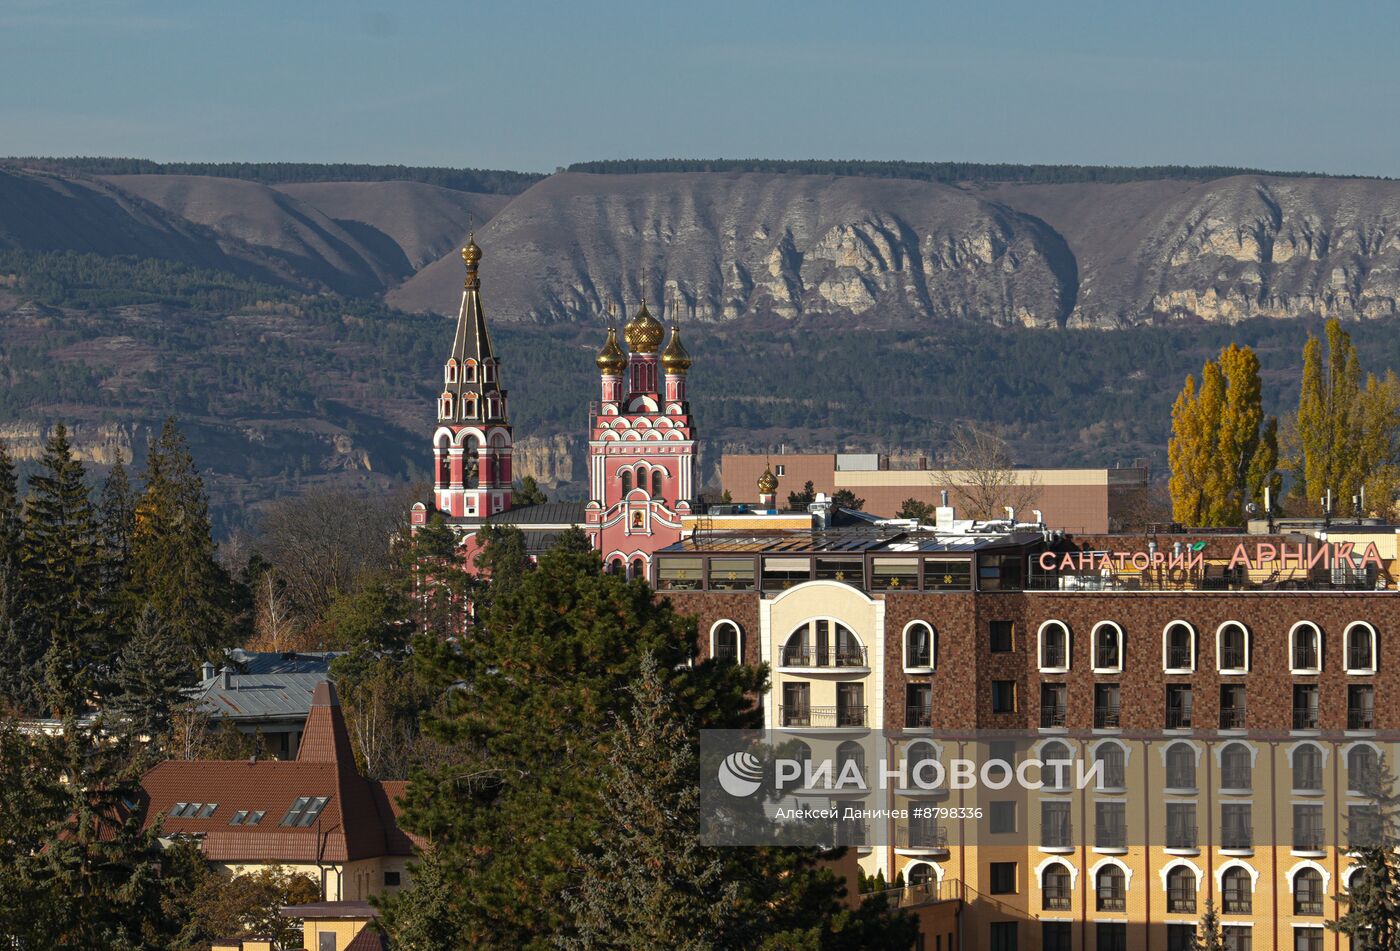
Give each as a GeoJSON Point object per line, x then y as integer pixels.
{"type": "Point", "coordinates": [116, 525]}
{"type": "Point", "coordinates": [18, 673]}
{"type": "Point", "coordinates": [798, 501]}
{"type": "Point", "coordinates": [150, 674]}
{"type": "Point", "coordinates": [172, 550]}
{"type": "Point", "coordinates": [1371, 904]}
{"type": "Point", "coordinates": [1208, 931]}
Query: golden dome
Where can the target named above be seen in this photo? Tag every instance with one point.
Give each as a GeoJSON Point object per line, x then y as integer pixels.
{"type": "Point", "coordinates": [768, 482]}
{"type": "Point", "coordinates": [611, 358]}
{"type": "Point", "coordinates": [643, 331]}
{"type": "Point", "coordinates": [675, 359]}
{"type": "Point", "coordinates": [471, 254]}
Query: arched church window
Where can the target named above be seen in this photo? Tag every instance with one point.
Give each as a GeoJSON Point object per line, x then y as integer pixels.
{"type": "Point", "coordinates": [469, 407]}
{"type": "Point", "coordinates": [470, 452]}
{"type": "Point", "coordinates": [656, 483]}
{"type": "Point", "coordinates": [451, 371]}
{"type": "Point", "coordinates": [639, 568]}
{"type": "Point", "coordinates": [469, 372]}
{"type": "Point", "coordinates": [626, 482]}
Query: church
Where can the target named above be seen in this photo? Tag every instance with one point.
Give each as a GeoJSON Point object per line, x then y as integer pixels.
{"type": "Point", "coordinates": [641, 448]}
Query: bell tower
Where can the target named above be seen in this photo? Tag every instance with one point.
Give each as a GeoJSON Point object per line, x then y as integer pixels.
{"type": "Point", "coordinates": [472, 442]}
{"type": "Point", "coordinates": [641, 449]}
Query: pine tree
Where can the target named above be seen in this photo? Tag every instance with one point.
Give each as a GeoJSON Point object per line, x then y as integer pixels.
{"type": "Point", "coordinates": [172, 550]}
{"type": "Point", "coordinates": [847, 500]}
{"type": "Point", "coordinates": [913, 508]}
{"type": "Point", "coordinates": [527, 492]}
{"type": "Point", "coordinates": [798, 501]}
{"type": "Point", "coordinates": [61, 575]}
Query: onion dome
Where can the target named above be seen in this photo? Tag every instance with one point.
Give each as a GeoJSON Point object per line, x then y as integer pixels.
{"type": "Point", "coordinates": [768, 482]}
{"type": "Point", "coordinates": [643, 331]}
{"type": "Point", "coordinates": [471, 254]}
{"type": "Point", "coordinates": [611, 359]}
{"type": "Point", "coordinates": [676, 359]}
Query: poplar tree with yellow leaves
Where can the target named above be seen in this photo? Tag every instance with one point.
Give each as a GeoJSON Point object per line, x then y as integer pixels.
{"type": "Point", "coordinates": [1223, 451]}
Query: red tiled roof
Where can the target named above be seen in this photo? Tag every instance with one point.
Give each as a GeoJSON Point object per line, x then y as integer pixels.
{"type": "Point", "coordinates": [358, 821]}
{"type": "Point", "coordinates": [368, 940]}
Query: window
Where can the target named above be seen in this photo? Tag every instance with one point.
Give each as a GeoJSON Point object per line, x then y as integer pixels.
{"type": "Point", "coordinates": [999, 573]}
{"type": "Point", "coordinates": [1305, 707]}
{"type": "Point", "coordinates": [1109, 889]}
{"type": "Point", "coordinates": [445, 407]}
{"type": "Point", "coordinates": [894, 574]}
{"type": "Point", "coordinates": [1181, 826]}
{"type": "Point", "coordinates": [304, 811]}
{"type": "Point", "coordinates": [626, 482]}
{"type": "Point", "coordinates": [731, 574]}
{"type": "Point", "coordinates": [1361, 648]}
{"type": "Point", "coordinates": [1181, 937]}
{"type": "Point", "coordinates": [1003, 878]}
{"type": "Point", "coordinates": [1307, 827]}
{"type": "Point", "coordinates": [1003, 696]}
{"type": "Point", "coordinates": [1365, 827]}
{"type": "Point", "coordinates": [1232, 707]}
{"type": "Point", "coordinates": [1003, 816]}
{"type": "Point", "coordinates": [1236, 767]}
{"type": "Point", "coordinates": [1055, 777]}
{"type": "Point", "coordinates": [656, 476]}
{"type": "Point", "coordinates": [679, 574]}
{"type": "Point", "coordinates": [451, 371]}
{"type": "Point", "coordinates": [779, 574]}
{"type": "Point", "coordinates": [1108, 648]}
{"type": "Point", "coordinates": [850, 765]}
{"type": "Point", "coordinates": [822, 643]}
{"type": "Point", "coordinates": [1181, 766]}
{"type": "Point", "coordinates": [1002, 936]}
{"type": "Point", "coordinates": [469, 407]}
{"type": "Point", "coordinates": [1237, 938]}
{"type": "Point", "coordinates": [1111, 936]}
{"type": "Point", "coordinates": [1232, 644]}
{"type": "Point", "coordinates": [726, 642]}
{"type": "Point", "coordinates": [639, 567]}
{"type": "Point", "coordinates": [918, 647]}
{"type": "Point", "coordinates": [942, 574]}
{"type": "Point", "coordinates": [849, 571]}
{"type": "Point", "coordinates": [1307, 939]}
{"type": "Point", "coordinates": [918, 705]}
{"type": "Point", "coordinates": [1179, 707]}
{"type": "Point", "coordinates": [1179, 648]}
{"type": "Point", "coordinates": [1054, 647]}
{"type": "Point", "coordinates": [1055, 888]}
{"type": "Point", "coordinates": [1110, 824]}
{"type": "Point", "coordinates": [1236, 829]}
{"type": "Point", "coordinates": [1307, 892]}
{"type": "Point", "coordinates": [1307, 768]}
{"type": "Point", "coordinates": [850, 705]}
{"type": "Point", "coordinates": [615, 566]}
{"type": "Point", "coordinates": [1238, 889]}
{"type": "Point", "coordinates": [1055, 830]}
{"type": "Point", "coordinates": [1363, 769]}
{"type": "Point", "coordinates": [1053, 701]}
{"type": "Point", "coordinates": [1106, 707]}
{"type": "Point", "coordinates": [391, 880]}
{"type": "Point", "coordinates": [1361, 707]}
{"type": "Point", "coordinates": [1002, 637]}
{"type": "Point", "coordinates": [1181, 891]}
{"type": "Point", "coordinates": [206, 810]}
{"type": "Point", "coordinates": [781, 470]}
{"type": "Point", "coordinates": [1306, 648]}
{"type": "Point", "coordinates": [1056, 936]}
{"type": "Point", "coordinates": [796, 709]}
{"type": "Point", "coordinates": [238, 817]}
{"type": "Point", "coordinates": [469, 372]}
{"type": "Point", "coordinates": [920, 873]}
{"type": "Point", "coordinates": [1110, 754]}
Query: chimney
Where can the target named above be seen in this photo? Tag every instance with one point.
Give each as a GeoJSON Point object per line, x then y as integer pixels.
{"type": "Point", "coordinates": [821, 508]}
{"type": "Point", "coordinates": [226, 679]}
{"type": "Point", "coordinates": [206, 671]}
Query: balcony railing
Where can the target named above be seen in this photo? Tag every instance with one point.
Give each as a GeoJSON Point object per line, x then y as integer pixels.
{"type": "Point", "coordinates": [918, 715]}
{"type": "Point", "coordinates": [1359, 658]}
{"type": "Point", "coordinates": [1052, 715]}
{"type": "Point", "coordinates": [798, 655]}
{"type": "Point", "coordinates": [1184, 904]}
{"type": "Point", "coordinates": [838, 716]}
{"type": "Point", "coordinates": [1055, 900]}
{"type": "Point", "coordinates": [1181, 837]}
{"type": "Point", "coordinates": [1232, 658]}
{"type": "Point", "coordinates": [1236, 777]}
{"type": "Point", "coordinates": [1179, 718]}
{"type": "Point", "coordinates": [1111, 835]}
{"type": "Point", "coordinates": [1305, 718]}
{"type": "Point", "coordinates": [1181, 778]}
{"type": "Point", "coordinates": [851, 834]}
{"type": "Point", "coordinates": [1111, 902]}
{"type": "Point", "coordinates": [1232, 718]}
{"type": "Point", "coordinates": [1237, 836]}
{"type": "Point", "coordinates": [1057, 835]}
{"type": "Point", "coordinates": [920, 835]}
{"type": "Point", "coordinates": [1178, 657]}
{"type": "Point", "coordinates": [1307, 777]}
{"type": "Point", "coordinates": [1106, 717]}
{"type": "Point", "coordinates": [1361, 718]}
{"type": "Point", "coordinates": [1307, 839]}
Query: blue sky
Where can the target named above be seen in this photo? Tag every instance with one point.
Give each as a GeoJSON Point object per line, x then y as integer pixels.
{"type": "Point", "coordinates": [533, 85]}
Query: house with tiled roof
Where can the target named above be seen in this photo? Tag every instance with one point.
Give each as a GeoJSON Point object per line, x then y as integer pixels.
{"type": "Point", "coordinates": [315, 815]}
{"type": "Point", "coordinates": [267, 693]}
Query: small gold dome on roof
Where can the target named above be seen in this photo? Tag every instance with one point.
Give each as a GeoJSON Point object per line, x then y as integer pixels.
{"type": "Point", "coordinates": [768, 482]}
{"type": "Point", "coordinates": [611, 359]}
{"type": "Point", "coordinates": [471, 253]}
{"type": "Point", "coordinates": [643, 331]}
{"type": "Point", "coordinates": [676, 359]}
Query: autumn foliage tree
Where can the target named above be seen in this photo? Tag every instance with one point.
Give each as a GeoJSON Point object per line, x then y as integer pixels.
{"type": "Point", "coordinates": [1223, 450]}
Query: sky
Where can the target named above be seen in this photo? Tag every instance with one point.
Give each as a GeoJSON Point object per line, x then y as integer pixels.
{"type": "Point", "coordinates": [535, 84]}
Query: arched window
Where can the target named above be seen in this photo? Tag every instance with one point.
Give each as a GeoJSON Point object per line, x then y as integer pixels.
{"type": "Point", "coordinates": [1305, 648]}
{"type": "Point", "coordinates": [920, 874]}
{"type": "Point", "coordinates": [823, 643]}
{"type": "Point", "coordinates": [1181, 766]}
{"type": "Point", "coordinates": [850, 765]}
{"type": "Point", "coordinates": [445, 406]}
{"type": "Point", "coordinates": [450, 373]}
{"type": "Point", "coordinates": [1055, 887]}
{"type": "Point", "coordinates": [1307, 892]}
{"type": "Point", "coordinates": [1181, 891]}
{"type": "Point", "coordinates": [1236, 767]}
{"type": "Point", "coordinates": [1179, 648]}
{"type": "Point", "coordinates": [471, 450]}
{"type": "Point", "coordinates": [1232, 644]}
{"type": "Point", "coordinates": [488, 371]}
{"type": "Point", "coordinates": [615, 566]}
{"type": "Point", "coordinates": [918, 647]}
{"type": "Point", "coordinates": [1114, 772]}
{"type": "Point", "coordinates": [1110, 889]}
{"type": "Point", "coordinates": [1237, 891]}
{"type": "Point", "coordinates": [1361, 648]}
{"type": "Point", "coordinates": [1108, 648]}
{"type": "Point", "coordinates": [469, 372]}
{"type": "Point", "coordinates": [639, 568]}
{"type": "Point", "coordinates": [919, 771]}
{"type": "Point", "coordinates": [656, 475]}
{"type": "Point", "coordinates": [1307, 768]}
{"type": "Point", "coordinates": [469, 406]}
{"type": "Point", "coordinates": [1363, 768]}
{"type": "Point", "coordinates": [1054, 647]}
{"type": "Point", "coordinates": [725, 642]}
{"type": "Point", "coordinates": [626, 482]}
{"type": "Point", "coordinates": [1055, 777]}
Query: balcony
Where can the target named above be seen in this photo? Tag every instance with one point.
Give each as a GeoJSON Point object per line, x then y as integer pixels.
{"type": "Point", "coordinates": [1308, 839]}
{"type": "Point", "coordinates": [919, 836]}
{"type": "Point", "coordinates": [1111, 835]}
{"type": "Point", "coordinates": [1106, 717]}
{"type": "Point", "coordinates": [1361, 718]}
{"type": "Point", "coordinates": [1182, 838]}
{"type": "Point", "coordinates": [1183, 904]}
{"type": "Point", "coordinates": [1052, 716]}
{"type": "Point", "coordinates": [1237, 838]}
{"type": "Point", "coordinates": [1111, 903]}
{"type": "Point", "coordinates": [1305, 718]}
{"type": "Point", "coordinates": [1232, 658]}
{"type": "Point", "coordinates": [1232, 718]}
{"type": "Point", "coordinates": [1057, 836]}
{"type": "Point", "coordinates": [839, 718]}
{"type": "Point", "coordinates": [1178, 718]}
{"type": "Point", "coordinates": [918, 716]}
{"type": "Point", "coordinates": [1056, 900]}
{"type": "Point", "coordinates": [1179, 657]}
{"type": "Point", "coordinates": [799, 655]}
